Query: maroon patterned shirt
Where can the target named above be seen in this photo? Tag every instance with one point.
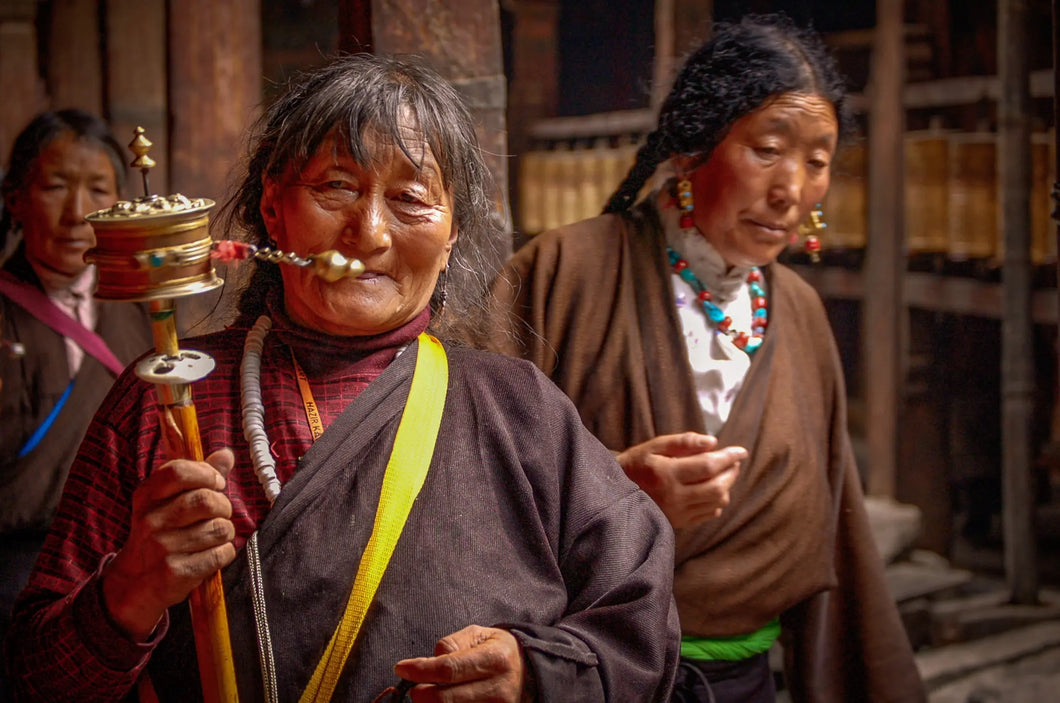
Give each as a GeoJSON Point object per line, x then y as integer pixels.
{"type": "Point", "coordinates": [62, 644]}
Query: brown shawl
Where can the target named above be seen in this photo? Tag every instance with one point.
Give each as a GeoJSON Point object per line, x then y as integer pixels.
{"type": "Point", "coordinates": [590, 304]}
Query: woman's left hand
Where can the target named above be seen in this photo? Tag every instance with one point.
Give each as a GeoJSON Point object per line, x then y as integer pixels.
{"type": "Point", "coordinates": [474, 664]}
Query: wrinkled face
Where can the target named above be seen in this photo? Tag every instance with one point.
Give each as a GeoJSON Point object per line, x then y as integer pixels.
{"type": "Point", "coordinates": [71, 178]}
{"type": "Point", "coordinates": [395, 215]}
{"type": "Point", "coordinates": [765, 176]}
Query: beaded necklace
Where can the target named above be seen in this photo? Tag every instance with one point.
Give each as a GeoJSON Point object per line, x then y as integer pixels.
{"type": "Point", "coordinates": [722, 322]}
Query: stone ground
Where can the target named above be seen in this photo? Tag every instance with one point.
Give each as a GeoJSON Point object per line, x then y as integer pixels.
{"type": "Point", "coordinates": [972, 645]}
{"type": "Point", "coordinates": [1032, 677]}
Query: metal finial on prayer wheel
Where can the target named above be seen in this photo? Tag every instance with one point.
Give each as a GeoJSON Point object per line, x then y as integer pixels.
{"type": "Point", "coordinates": [331, 266]}
{"type": "Point", "coordinates": [152, 247]}
{"type": "Point", "coordinates": [140, 145]}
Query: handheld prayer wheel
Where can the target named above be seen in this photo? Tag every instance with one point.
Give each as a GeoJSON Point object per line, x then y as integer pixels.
{"type": "Point", "coordinates": [153, 247]}
{"type": "Point", "coordinates": [156, 249]}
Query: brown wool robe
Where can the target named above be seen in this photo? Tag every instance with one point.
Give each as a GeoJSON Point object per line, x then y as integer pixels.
{"type": "Point", "coordinates": [517, 525]}
{"type": "Point", "coordinates": [591, 305]}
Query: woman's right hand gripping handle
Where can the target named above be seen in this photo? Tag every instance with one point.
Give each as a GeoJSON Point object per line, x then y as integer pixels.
{"type": "Point", "coordinates": [685, 474]}
{"type": "Point", "coordinates": [181, 533]}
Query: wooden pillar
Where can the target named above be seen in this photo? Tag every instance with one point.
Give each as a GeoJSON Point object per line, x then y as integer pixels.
{"type": "Point", "coordinates": [465, 47]}
{"type": "Point", "coordinates": [534, 89]}
{"type": "Point", "coordinates": [214, 80]}
{"type": "Point", "coordinates": [19, 77]}
{"type": "Point", "coordinates": [1017, 362]}
{"type": "Point", "coordinates": [74, 70]}
{"type": "Point", "coordinates": [136, 82]}
{"type": "Point", "coordinates": [884, 311]}
{"type": "Point", "coordinates": [681, 26]}
{"type": "Point", "coordinates": [214, 90]}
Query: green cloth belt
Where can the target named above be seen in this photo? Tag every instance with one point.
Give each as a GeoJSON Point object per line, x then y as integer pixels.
{"type": "Point", "coordinates": [732, 648]}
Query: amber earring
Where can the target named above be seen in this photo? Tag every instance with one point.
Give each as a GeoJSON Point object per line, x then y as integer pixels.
{"type": "Point", "coordinates": [814, 223]}
{"type": "Point", "coordinates": [684, 203]}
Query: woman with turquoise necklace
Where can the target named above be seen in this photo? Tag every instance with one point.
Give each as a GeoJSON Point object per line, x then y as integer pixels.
{"type": "Point", "coordinates": [712, 373]}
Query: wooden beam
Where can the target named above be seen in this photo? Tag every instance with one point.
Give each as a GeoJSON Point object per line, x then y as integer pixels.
{"type": "Point", "coordinates": [961, 90]}
{"type": "Point", "coordinates": [883, 337]}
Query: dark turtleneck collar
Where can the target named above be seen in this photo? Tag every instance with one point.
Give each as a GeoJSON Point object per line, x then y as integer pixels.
{"type": "Point", "coordinates": [321, 354]}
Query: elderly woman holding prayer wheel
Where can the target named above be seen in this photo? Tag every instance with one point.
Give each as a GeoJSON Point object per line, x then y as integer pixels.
{"type": "Point", "coordinates": [63, 165]}
{"type": "Point", "coordinates": [711, 371]}
{"type": "Point", "coordinates": [518, 561]}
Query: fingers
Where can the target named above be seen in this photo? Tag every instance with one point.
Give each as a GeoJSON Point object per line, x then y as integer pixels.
{"type": "Point", "coordinates": [181, 475]}
{"type": "Point", "coordinates": [679, 445]}
{"type": "Point", "coordinates": [223, 460]}
{"type": "Point", "coordinates": [180, 533]}
{"type": "Point", "coordinates": [707, 465]}
{"type": "Point", "coordinates": [706, 500]}
{"type": "Point", "coordinates": [476, 663]}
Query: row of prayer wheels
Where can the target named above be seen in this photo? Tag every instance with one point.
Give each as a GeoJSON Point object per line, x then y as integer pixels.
{"type": "Point", "coordinates": [951, 193]}
{"type": "Point", "coordinates": [951, 197]}
{"type": "Point", "coordinates": [564, 185]}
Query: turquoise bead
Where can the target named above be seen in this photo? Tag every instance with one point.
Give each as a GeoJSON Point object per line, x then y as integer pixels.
{"type": "Point", "coordinates": [716, 315]}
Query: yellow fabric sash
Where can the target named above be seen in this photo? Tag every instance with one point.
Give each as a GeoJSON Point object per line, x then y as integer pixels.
{"type": "Point", "coordinates": [405, 473]}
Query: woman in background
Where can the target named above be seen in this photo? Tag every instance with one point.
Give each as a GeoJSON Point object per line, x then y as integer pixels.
{"type": "Point", "coordinates": [712, 372]}
{"type": "Point", "coordinates": [63, 166]}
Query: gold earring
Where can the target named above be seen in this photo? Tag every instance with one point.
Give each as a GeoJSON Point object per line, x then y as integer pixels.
{"type": "Point", "coordinates": [809, 230]}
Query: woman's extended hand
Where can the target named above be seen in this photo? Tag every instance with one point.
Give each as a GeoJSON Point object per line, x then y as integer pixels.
{"type": "Point", "coordinates": [474, 664]}
{"type": "Point", "coordinates": [181, 533]}
{"type": "Point", "coordinates": [685, 474]}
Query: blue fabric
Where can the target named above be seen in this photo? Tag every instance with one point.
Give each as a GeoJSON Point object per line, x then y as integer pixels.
{"type": "Point", "coordinates": [38, 435]}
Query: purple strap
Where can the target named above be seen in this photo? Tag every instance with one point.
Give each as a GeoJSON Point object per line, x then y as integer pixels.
{"type": "Point", "coordinates": [41, 307]}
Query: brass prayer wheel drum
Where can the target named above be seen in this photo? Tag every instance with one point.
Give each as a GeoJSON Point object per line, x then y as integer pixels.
{"type": "Point", "coordinates": [973, 230]}
{"type": "Point", "coordinates": [1043, 228]}
{"type": "Point", "coordinates": [845, 206]}
{"type": "Point", "coordinates": [152, 248]}
{"type": "Point", "coordinates": [926, 191]}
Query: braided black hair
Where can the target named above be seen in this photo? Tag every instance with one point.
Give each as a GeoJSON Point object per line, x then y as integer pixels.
{"type": "Point", "coordinates": [737, 71]}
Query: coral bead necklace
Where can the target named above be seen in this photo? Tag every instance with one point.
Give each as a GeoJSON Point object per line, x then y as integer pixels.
{"type": "Point", "coordinates": [749, 342]}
